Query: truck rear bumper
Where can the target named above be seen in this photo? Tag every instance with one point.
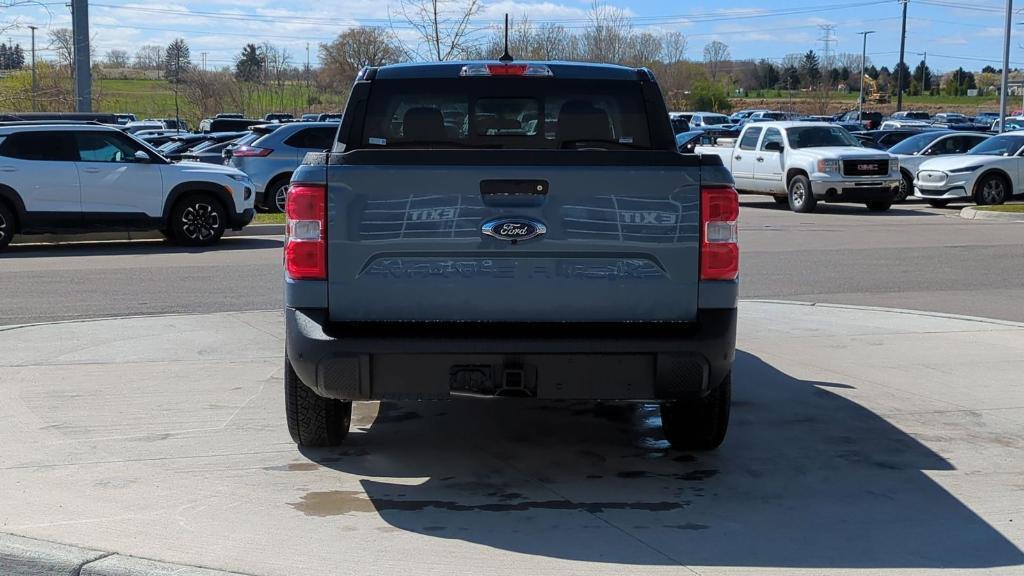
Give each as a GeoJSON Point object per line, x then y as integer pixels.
{"type": "Point", "coordinates": [401, 361]}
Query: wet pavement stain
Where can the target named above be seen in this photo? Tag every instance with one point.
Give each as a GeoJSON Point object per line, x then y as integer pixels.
{"type": "Point", "coordinates": [692, 476]}
{"type": "Point", "coordinates": [688, 526]}
{"type": "Point", "coordinates": [340, 502]}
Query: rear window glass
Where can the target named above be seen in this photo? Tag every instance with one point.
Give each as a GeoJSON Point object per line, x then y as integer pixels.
{"type": "Point", "coordinates": [511, 113]}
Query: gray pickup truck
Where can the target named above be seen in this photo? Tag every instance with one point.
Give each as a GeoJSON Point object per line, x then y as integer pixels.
{"type": "Point", "coordinates": [510, 229]}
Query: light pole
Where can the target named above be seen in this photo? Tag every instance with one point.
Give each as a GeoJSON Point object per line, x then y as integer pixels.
{"type": "Point", "coordinates": [1003, 88]}
{"type": "Point", "coordinates": [33, 29]}
{"type": "Point", "coordinates": [924, 71]}
{"type": "Point", "coordinates": [863, 66]}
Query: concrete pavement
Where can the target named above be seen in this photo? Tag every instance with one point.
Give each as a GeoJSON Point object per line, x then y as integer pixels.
{"type": "Point", "coordinates": [864, 440]}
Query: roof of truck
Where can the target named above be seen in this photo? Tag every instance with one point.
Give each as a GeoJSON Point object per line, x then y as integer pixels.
{"type": "Point", "coordinates": [575, 70]}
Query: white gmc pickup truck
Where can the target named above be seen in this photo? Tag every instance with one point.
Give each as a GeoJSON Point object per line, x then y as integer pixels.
{"type": "Point", "coordinates": [800, 163]}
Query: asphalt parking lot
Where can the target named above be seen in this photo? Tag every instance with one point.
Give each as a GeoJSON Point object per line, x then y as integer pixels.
{"type": "Point", "coordinates": [859, 441]}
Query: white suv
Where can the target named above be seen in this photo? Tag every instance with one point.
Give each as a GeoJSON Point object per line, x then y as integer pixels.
{"type": "Point", "coordinates": [85, 178]}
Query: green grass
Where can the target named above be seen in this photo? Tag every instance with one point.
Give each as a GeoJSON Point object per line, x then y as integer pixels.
{"type": "Point", "coordinates": [269, 219]}
{"type": "Point", "coordinates": [1016, 208]}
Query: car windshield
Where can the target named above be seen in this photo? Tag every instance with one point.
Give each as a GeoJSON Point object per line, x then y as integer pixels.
{"type": "Point", "coordinates": [820, 136]}
{"type": "Point", "coordinates": [914, 144]}
{"type": "Point", "coordinates": [774, 115]}
{"type": "Point", "coordinates": [1005, 145]}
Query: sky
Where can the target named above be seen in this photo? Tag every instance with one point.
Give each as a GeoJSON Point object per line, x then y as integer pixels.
{"type": "Point", "coordinates": [953, 33]}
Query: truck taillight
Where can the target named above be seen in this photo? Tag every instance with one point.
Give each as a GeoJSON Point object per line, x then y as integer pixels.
{"type": "Point", "coordinates": [305, 247]}
{"type": "Point", "coordinates": [719, 250]}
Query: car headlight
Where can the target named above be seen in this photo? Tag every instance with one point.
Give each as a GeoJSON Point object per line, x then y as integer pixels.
{"type": "Point", "coordinates": [828, 166]}
{"type": "Point", "coordinates": [964, 170]}
{"type": "Point", "coordinates": [243, 178]}
{"type": "Point", "coordinates": [894, 165]}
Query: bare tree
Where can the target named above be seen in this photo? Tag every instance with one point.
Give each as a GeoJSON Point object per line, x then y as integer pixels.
{"type": "Point", "coordinates": [62, 42]}
{"type": "Point", "coordinates": [715, 55]}
{"type": "Point", "coordinates": [149, 57]}
{"type": "Point", "coordinates": [606, 38]}
{"type": "Point", "coordinates": [673, 47]}
{"type": "Point", "coordinates": [644, 49]}
{"type": "Point", "coordinates": [355, 48]}
{"type": "Point", "coordinates": [442, 26]}
{"type": "Point", "coordinates": [554, 42]}
{"type": "Point", "coordinates": [116, 59]}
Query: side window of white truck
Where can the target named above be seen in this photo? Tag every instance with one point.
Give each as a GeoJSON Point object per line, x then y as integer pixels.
{"type": "Point", "coordinates": [749, 140]}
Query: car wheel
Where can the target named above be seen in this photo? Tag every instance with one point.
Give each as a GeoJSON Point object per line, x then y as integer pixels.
{"type": "Point", "coordinates": [801, 198]}
{"type": "Point", "coordinates": [276, 197]}
{"type": "Point", "coordinates": [992, 189]}
{"type": "Point", "coordinates": [313, 421]}
{"type": "Point", "coordinates": [938, 203]}
{"type": "Point", "coordinates": [197, 220]}
{"type": "Point", "coordinates": [781, 200]}
{"type": "Point", "coordinates": [698, 424]}
{"type": "Point", "coordinates": [879, 205]}
{"type": "Point", "coordinates": [905, 190]}
{"type": "Point", "coordinates": [6, 226]}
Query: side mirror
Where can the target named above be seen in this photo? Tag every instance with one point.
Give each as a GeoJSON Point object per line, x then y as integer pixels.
{"type": "Point", "coordinates": [773, 146]}
{"type": "Point", "coordinates": [141, 157]}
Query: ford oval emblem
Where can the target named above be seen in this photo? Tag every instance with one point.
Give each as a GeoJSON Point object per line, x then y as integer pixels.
{"type": "Point", "coordinates": [513, 229]}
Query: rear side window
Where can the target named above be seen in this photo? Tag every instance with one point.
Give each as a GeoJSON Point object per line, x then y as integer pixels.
{"type": "Point", "coordinates": [749, 140]}
{"type": "Point", "coordinates": [47, 146]}
{"type": "Point", "coordinates": [312, 138]}
{"type": "Point", "coordinates": [510, 113]}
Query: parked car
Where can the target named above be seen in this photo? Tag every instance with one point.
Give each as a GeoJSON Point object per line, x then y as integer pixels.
{"type": "Point", "coordinates": [271, 159]}
{"type": "Point", "coordinates": [139, 126]}
{"type": "Point", "coordinates": [124, 118]}
{"type": "Point", "coordinates": [679, 123]}
{"type": "Point", "coordinates": [800, 163]}
{"type": "Point", "coordinates": [255, 133]}
{"type": "Point", "coordinates": [157, 138]}
{"type": "Point", "coordinates": [1012, 123]}
{"type": "Point", "coordinates": [742, 115]}
{"type": "Point", "coordinates": [869, 120]}
{"type": "Point", "coordinates": [100, 117]}
{"type": "Point", "coordinates": [915, 150]}
{"type": "Point", "coordinates": [950, 118]}
{"type": "Point", "coordinates": [700, 119]}
{"type": "Point", "coordinates": [178, 146]}
{"type": "Point", "coordinates": [397, 289]}
{"type": "Point", "coordinates": [309, 117]}
{"type": "Point", "coordinates": [986, 117]}
{"type": "Point", "coordinates": [228, 124]}
{"type": "Point", "coordinates": [911, 115]}
{"type": "Point", "coordinates": [209, 152]}
{"type": "Point", "coordinates": [766, 116]}
{"type": "Point", "coordinates": [171, 123]}
{"type": "Point", "coordinates": [230, 115]}
{"type": "Point", "coordinates": [687, 142]}
{"type": "Point", "coordinates": [68, 179]}
{"type": "Point", "coordinates": [904, 124]}
{"type": "Point", "coordinates": [329, 117]}
{"type": "Point", "coordinates": [278, 116]}
{"type": "Point", "coordinates": [885, 139]}
{"type": "Point", "coordinates": [989, 173]}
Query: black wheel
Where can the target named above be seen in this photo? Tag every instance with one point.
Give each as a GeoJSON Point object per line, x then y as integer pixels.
{"type": "Point", "coordinates": [698, 424]}
{"type": "Point", "coordinates": [313, 421]}
{"type": "Point", "coordinates": [991, 189]}
{"type": "Point", "coordinates": [781, 200]}
{"type": "Point", "coordinates": [879, 205]}
{"type": "Point", "coordinates": [6, 226]}
{"type": "Point", "coordinates": [276, 196]}
{"type": "Point", "coordinates": [938, 203]}
{"type": "Point", "coordinates": [197, 220]}
{"type": "Point", "coordinates": [801, 198]}
{"type": "Point", "coordinates": [906, 189]}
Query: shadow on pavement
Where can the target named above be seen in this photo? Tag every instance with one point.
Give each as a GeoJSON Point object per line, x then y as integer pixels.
{"type": "Point", "coordinates": [133, 247]}
{"type": "Point", "coordinates": [905, 209]}
{"type": "Point", "coordinates": [806, 478]}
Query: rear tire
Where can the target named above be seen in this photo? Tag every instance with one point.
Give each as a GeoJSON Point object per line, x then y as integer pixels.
{"type": "Point", "coordinates": [276, 195]}
{"type": "Point", "coordinates": [906, 189]}
{"type": "Point", "coordinates": [801, 197]}
{"type": "Point", "coordinates": [6, 226]}
{"type": "Point", "coordinates": [197, 220]}
{"type": "Point", "coordinates": [938, 203]}
{"type": "Point", "coordinates": [313, 421]}
{"type": "Point", "coordinates": [879, 206]}
{"type": "Point", "coordinates": [698, 424]}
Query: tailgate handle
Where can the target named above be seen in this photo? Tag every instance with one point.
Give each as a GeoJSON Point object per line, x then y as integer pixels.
{"type": "Point", "coordinates": [514, 192]}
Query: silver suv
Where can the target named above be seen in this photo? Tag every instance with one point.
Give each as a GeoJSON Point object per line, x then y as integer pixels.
{"type": "Point", "coordinates": [271, 158]}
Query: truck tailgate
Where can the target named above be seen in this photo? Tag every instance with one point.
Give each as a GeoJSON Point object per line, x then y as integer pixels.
{"type": "Point", "coordinates": [405, 243]}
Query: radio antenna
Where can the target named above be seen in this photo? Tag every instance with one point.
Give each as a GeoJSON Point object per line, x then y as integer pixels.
{"type": "Point", "coordinates": [506, 57]}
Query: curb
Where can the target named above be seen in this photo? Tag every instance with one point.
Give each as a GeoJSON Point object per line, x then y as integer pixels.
{"type": "Point", "coordinates": [972, 213]}
{"type": "Point", "coordinates": [251, 230]}
{"type": "Point", "coordinates": [21, 556]}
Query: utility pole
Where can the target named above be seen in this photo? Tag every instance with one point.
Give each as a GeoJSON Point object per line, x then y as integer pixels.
{"type": "Point", "coordinates": [863, 65]}
{"type": "Point", "coordinates": [33, 29]}
{"type": "Point", "coordinates": [924, 73]}
{"type": "Point", "coordinates": [1004, 90]}
{"type": "Point", "coordinates": [83, 69]}
{"type": "Point", "coordinates": [899, 72]}
{"type": "Point", "coordinates": [203, 56]}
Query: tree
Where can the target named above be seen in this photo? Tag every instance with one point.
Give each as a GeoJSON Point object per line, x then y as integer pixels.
{"type": "Point", "coordinates": [673, 47]}
{"type": "Point", "coordinates": [116, 59]}
{"type": "Point", "coordinates": [810, 69]}
{"type": "Point", "coordinates": [715, 54]}
{"type": "Point", "coordinates": [607, 35]}
{"type": "Point", "coordinates": [958, 82]}
{"type": "Point", "coordinates": [177, 60]}
{"type": "Point", "coordinates": [711, 96]}
{"type": "Point", "coordinates": [149, 57]}
{"type": "Point", "coordinates": [19, 57]}
{"type": "Point", "coordinates": [989, 70]}
{"type": "Point", "coordinates": [249, 64]}
{"type": "Point", "coordinates": [873, 72]}
{"type": "Point", "coordinates": [895, 74]}
{"type": "Point", "coordinates": [643, 49]}
{"type": "Point", "coordinates": [767, 73]}
{"type": "Point", "coordinates": [442, 26]}
{"type": "Point", "coordinates": [790, 77]}
{"type": "Point", "coordinates": [923, 75]}
{"type": "Point", "coordinates": [355, 48]}
{"type": "Point", "coordinates": [62, 42]}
